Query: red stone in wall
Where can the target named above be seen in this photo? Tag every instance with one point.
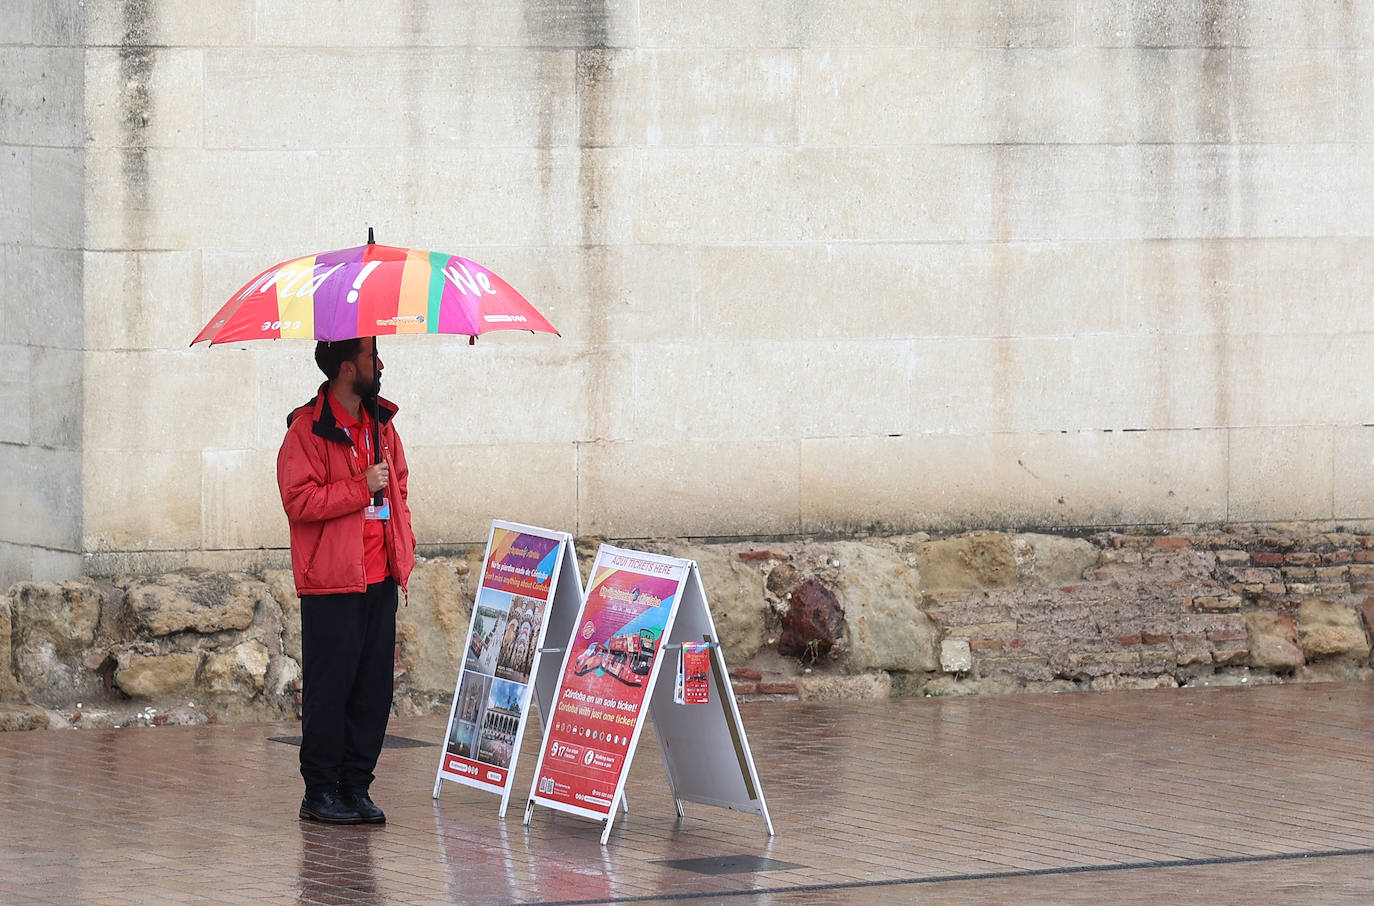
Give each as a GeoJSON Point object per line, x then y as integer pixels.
{"type": "Point", "coordinates": [812, 625]}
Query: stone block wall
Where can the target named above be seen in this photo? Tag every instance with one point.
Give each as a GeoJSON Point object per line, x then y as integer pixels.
{"type": "Point", "coordinates": [1183, 609]}
{"type": "Point", "coordinates": [981, 612]}
{"type": "Point", "coordinates": [196, 646]}
{"type": "Point", "coordinates": [820, 268]}
{"type": "Point", "coordinates": [992, 612]}
{"type": "Point", "coordinates": [42, 332]}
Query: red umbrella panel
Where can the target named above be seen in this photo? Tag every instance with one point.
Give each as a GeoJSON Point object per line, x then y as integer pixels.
{"type": "Point", "coordinates": [368, 291]}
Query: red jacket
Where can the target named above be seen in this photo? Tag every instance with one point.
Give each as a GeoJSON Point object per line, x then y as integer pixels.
{"type": "Point", "coordinates": [324, 493]}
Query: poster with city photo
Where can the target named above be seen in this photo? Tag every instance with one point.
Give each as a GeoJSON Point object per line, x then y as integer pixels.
{"type": "Point", "coordinates": [524, 617]}
{"type": "Point", "coordinates": [500, 723]}
{"type": "Point", "coordinates": [600, 702]}
{"type": "Point", "coordinates": [509, 619]}
{"type": "Point", "coordinates": [467, 716]}
{"type": "Point", "coordinates": [488, 626]}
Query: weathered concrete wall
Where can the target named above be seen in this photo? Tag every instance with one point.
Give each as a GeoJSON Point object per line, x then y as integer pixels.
{"type": "Point", "coordinates": [42, 156]}
{"type": "Point", "coordinates": [819, 266]}
{"type": "Point", "coordinates": [905, 615]}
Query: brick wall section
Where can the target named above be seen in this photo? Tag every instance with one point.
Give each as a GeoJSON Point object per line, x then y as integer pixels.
{"type": "Point", "coordinates": [1170, 609]}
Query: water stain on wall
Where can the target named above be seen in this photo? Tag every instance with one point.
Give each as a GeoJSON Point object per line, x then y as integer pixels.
{"type": "Point", "coordinates": [1190, 96]}
{"type": "Point", "coordinates": [418, 124]}
{"type": "Point", "coordinates": [136, 62]}
{"type": "Point", "coordinates": [1008, 135]}
{"type": "Point", "coordinates": [1229, 182]}
{"type": "Point", "coordinates": [585, 26]}
{"type": "Point", "coordinates": [568, 23]}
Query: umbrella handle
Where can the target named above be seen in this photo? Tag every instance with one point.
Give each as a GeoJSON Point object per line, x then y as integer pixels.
{"type": "Point", "coordinates": [372, 404]}
{"type": "Point", "coordinates": [376, 411]}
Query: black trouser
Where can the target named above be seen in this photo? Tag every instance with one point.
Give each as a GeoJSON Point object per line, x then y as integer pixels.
{"type": "Point", "coordinates": [348, 645]}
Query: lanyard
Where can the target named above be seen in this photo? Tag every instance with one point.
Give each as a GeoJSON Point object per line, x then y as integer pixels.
{"type": "Point", "coordinates": [367, 439]}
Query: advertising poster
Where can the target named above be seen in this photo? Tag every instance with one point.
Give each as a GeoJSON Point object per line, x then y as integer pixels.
{"type": "Point", "coordinates": [696, 673]}
{"type": "Point", "coordinates": [602, 693]}
{"type": "Point", "coordinates": [493, 693]}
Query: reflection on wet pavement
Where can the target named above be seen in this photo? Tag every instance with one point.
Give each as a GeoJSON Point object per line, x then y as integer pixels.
{"type": "Point", "coordinates": [1177, 796]}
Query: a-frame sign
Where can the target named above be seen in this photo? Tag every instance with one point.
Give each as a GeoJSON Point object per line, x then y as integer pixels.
{"type": "Point", "coordinates": [704, 747]}
{"type": "Point", "coordinates": [636, 607]}
{"type": "Point", "coordinates": [529, 590]}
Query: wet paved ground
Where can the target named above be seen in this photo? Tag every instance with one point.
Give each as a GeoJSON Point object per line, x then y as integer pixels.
{"type": "Point", "coordinates": [1182, 796]}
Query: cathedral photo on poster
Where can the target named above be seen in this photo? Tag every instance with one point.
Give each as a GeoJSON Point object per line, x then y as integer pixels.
{"type": "Point", "coordinates": [521, 638]}
{"type": "Point", "coordinates": [467, 714]}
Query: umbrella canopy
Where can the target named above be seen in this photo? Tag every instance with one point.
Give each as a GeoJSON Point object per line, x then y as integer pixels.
{"type": "Point", "coordinates": [368, 291]}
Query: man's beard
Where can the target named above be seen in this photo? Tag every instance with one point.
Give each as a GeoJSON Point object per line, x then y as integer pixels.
{"type": "Point", "coordinates": [366, 388]}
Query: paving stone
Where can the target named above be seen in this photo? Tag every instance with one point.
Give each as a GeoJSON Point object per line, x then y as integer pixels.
{"type": "Point", "coordinates": [1128, 797]}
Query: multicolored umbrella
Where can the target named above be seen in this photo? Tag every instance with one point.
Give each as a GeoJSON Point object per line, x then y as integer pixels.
{"type": "Point", "coordinates": [372, 291]}
{"type": "Point", "coordinates": [369, 291]}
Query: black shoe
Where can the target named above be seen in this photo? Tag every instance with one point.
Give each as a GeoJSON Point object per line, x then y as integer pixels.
{"type": "Point", "coordinates": [367, 810]}
{"type": "Point", "coordinates": [328, 807]}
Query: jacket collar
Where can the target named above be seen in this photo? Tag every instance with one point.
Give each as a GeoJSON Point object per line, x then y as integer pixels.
{"type": "Point", "coordinates": [325, 425]}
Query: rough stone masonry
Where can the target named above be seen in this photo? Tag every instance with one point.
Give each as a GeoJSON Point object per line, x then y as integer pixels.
{"type": "Point", "coordinates": [896, 615]}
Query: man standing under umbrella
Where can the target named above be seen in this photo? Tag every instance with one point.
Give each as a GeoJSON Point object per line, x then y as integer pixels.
{"type": "Point", "coordinates": [349, 553]}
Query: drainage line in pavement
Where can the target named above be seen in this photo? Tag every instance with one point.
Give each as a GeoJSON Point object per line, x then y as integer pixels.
{"type": "Point", "coordinates": [946, 879]}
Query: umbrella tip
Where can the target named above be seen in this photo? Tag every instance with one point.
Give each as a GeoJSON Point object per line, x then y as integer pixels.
{"type": "Point", "coordinates": [370, 239]}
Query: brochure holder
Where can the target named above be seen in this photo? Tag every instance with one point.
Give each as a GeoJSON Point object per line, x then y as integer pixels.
{"type": "Point", "coordinates": [636, 607]}
{"type": "Point", "coordinates": [529, 591]}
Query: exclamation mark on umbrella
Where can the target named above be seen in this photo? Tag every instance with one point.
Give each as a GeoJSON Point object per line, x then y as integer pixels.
{"type": "Point", "coordinates": [358, 282]}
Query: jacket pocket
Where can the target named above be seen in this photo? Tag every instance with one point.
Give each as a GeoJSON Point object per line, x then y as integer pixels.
{"type": "Point", "coordinates": [311, 559]}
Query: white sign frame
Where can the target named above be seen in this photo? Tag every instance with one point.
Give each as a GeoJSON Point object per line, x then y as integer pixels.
{"type": "Point", "coordinates": [559, 617]}
{"type": "Point", "coordinates": [704, 747]}
{"type": "Point", "coordinates": [609, 553]}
